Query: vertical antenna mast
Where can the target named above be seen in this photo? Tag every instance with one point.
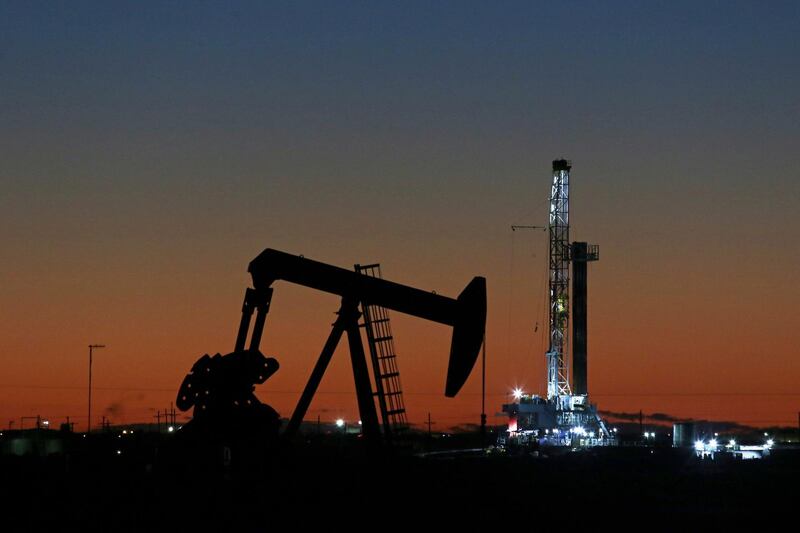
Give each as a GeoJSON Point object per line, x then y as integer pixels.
{"type": "Point", "coordinates": [557, 369]}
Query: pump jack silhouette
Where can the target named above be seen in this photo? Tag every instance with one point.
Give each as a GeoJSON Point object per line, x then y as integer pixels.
{"type": "Point", "coordinates": [220, 388]}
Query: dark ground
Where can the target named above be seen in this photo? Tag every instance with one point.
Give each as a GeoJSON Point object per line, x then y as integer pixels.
{"type": "Point", "coordinates": [162, 486]}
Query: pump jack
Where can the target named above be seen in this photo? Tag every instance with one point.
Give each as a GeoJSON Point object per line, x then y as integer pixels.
{"type": "Point", "coordinates": [229, 395]}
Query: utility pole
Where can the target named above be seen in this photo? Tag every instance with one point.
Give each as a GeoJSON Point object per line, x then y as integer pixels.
{"type": "Point", "coordinates": [429, 425]}
{"type": "Point", "coordinates": [92, 347]}
{"type": "Point", "coordinates": [483, 394]}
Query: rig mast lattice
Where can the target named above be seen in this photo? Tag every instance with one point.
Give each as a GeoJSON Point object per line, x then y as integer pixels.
{"type": "Point", "coordinates": [557, 365]}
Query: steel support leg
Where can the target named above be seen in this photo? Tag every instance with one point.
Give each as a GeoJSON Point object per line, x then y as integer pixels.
{"type": "Point", "coordinates": [254, 299]}
{"type": "Point", "coordinates": [317, 373]}
{"type": "Point", "coordinates": [262, 308]}
{"type": "Point", "coordinates": [244, 324]}
{"type": "Point", "coordinates": [366, 402]}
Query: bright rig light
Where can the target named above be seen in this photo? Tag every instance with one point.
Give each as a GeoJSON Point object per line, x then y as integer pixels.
{"type": "Point", "coordinates": [699, 445]}
{"type": "Point", "coordinates": [339, 422]}
{"type": "Point", "coordinates": [713, 443]}
{"type": "Point", "coordinates": [517, 393]}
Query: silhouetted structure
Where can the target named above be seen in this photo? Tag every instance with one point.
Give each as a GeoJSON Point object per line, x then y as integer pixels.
{"type": "Point", "coordinates": [581, 254]}
{"type": "Point", "coordinates": [225, 401]}
{"type": "Point", "coordinates": [380, 341]}
{"type": "Point", "coordinates": [221, 391]}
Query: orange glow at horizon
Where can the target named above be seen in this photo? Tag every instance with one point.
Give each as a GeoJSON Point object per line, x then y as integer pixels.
{"type": "Point", "coordinates": [152, 343]}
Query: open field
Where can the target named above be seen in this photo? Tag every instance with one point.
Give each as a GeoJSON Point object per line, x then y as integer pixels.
{"type": "Point", "coordinates": [153, 488]}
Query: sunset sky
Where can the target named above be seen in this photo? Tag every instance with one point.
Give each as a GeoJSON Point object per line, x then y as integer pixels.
{"type": "Point", "coordinates": [148, 152]}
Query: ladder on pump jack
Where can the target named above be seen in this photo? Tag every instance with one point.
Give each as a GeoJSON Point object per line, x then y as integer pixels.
{"type": "Point", "coordinates": [384, 361]}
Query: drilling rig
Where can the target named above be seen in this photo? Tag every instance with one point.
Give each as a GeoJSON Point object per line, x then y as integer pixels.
{"type": "Point", "coordinates": [564, 417]}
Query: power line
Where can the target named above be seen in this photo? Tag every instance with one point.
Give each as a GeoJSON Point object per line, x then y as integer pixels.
{"type": "Point", "coordinates": [425, 393]}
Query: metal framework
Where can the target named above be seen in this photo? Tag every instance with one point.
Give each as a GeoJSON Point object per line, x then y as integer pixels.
{"type": "Point", "coordinates": [384, 360]}
{"type": "Point", "coordinates": [565, 417]}
{"type": "Point", "coordinates": [557, 362]}
{"type": "Point", "coordinates": [465, 314]}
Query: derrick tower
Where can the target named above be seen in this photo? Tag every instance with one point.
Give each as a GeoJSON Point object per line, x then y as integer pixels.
{"type": "Point", "coordinates": [564, 417]}
{"type": "Point", "coordinates": [557, 362]}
